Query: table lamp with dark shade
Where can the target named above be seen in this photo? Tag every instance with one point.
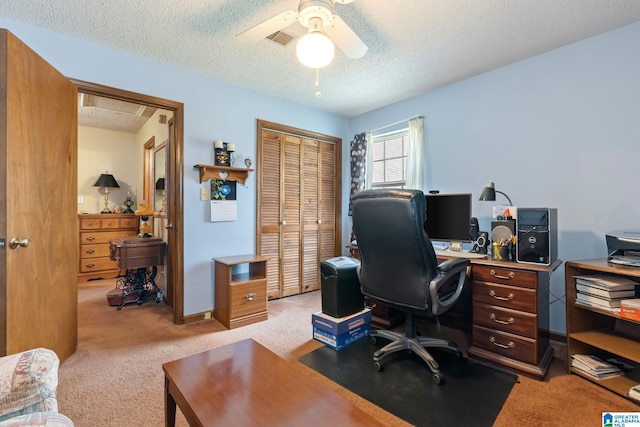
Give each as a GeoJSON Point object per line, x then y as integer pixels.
{"type": "Point", "coordinates": [489, 193]}
{"type": "Point", "coordinates": [107, 181]}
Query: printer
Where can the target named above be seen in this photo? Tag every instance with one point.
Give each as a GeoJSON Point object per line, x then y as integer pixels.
{"type": "Point", "coordinates": [624, 247]}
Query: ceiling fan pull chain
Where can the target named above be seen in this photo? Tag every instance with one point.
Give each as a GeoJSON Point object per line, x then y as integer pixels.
{"type": "Point", "coordinates": [318, 94]}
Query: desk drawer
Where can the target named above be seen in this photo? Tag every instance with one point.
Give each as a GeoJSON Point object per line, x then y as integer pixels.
{"type": "Point", "coordinates": [505, 276]}
{"type": "Point", "coordinates": [503, 319]}
{"type": "Point", "coordinates": [505, 296]}
{"type": "Point", "coordinates": [505, 344]}
{"type": "Point", "coordinates": [248, 298]}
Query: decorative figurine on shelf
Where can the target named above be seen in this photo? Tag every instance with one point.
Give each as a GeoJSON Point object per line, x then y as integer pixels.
{"type": "Point", "coordinates": [223, 152]}
{"type": "Point", "coordinates": [129, 202]}
{"type": "Point", "coordinates": [144, 212]}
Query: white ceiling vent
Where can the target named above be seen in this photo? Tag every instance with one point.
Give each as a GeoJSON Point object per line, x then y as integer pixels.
{"type": "Point", "coordinates": [281, 37]}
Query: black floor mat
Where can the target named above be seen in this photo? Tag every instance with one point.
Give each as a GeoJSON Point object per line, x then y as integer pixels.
{"type": "Point", "coordinates": [472, 395]}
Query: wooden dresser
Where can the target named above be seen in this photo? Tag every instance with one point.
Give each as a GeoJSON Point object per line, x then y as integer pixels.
{"type": "Point", "coordinates": [511, 314]}
{"type": "Point", "coordinates": [96, 231]}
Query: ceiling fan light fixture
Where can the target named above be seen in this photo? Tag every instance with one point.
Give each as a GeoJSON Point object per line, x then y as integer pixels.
{"type": "Point", "coordinates": [315, 50]}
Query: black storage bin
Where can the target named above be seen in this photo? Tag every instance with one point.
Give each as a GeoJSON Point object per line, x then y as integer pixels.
{"type": "Point", "coordinates": [340, 287]}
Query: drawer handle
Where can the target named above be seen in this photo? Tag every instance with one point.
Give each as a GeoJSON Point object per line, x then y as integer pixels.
{"type": "Point", "coordinates": [510, 344]}
{"type": "Point", "coordinates": [250, 296]}
{"type": "Point", "coordinates": [91, 238]}
{"type": "Point", "coordinates": [511, 275]}
{"type": "Point", "coordinates": [507, 298]}
{"type": "Point", "coordinates": [509, 321]}
{"type": "Point", "coordinates": [90, 251]}
{"type": "Point", "coordinates": [90, 265]}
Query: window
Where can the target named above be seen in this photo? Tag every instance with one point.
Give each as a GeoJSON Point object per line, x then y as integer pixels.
{"type": "Point", "coordinates": [389, 159]}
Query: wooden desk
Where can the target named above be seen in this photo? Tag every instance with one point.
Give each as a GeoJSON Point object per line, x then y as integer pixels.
{"type": "Point", "coordinates": [506, 309]}
{"type": "Point", "coordinates": [245, 384]}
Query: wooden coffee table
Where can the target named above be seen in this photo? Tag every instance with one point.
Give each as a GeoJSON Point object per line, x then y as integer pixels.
{"type": "Point", "coordinates": [245, 384]}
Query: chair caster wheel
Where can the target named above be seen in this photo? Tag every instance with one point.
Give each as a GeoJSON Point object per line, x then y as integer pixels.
{"type": "Point", "coordinates": [377, 366]}
{"type": "Point", "coordinates": [458, 355]}
{"type": "Point", "coordinates": [372, 340]}
{"type": "Point", "coordinates": [437, 379]}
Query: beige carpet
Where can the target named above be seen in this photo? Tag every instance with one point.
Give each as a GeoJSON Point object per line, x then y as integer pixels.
{"type": "Point", "coordinates": [115, 377]}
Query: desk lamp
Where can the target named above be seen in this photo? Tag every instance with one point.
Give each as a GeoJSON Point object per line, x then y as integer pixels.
{"type": "Point", "coordinates": [107, 181]}
{"type": "Point", "coordinates": [489, 193]}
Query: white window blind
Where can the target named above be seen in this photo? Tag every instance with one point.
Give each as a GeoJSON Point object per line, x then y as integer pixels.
{"type": "Point", "coordinates": [389, 159]}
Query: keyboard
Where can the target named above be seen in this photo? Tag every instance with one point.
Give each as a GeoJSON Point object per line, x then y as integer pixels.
{"type": "Point", "coordinates": [459, 254]}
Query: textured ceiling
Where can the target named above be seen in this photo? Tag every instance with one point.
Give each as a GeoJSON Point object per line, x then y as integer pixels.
{"type": "Point", "coordinates": [414, 45]}
{"type": "Point", "coordinates": [106, 113]}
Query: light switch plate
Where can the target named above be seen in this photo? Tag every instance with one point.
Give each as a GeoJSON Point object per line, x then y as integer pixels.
{"type": "Point", "coordinates": [204, 194]}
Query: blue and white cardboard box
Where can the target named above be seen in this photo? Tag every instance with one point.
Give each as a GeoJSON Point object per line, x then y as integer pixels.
{"type": "Point", "coordinates": [340, 325]}
{"type": "Point", "coordinates": [338, 333]}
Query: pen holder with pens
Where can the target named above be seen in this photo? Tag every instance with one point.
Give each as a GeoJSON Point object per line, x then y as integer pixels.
{"type": "Point", "coordinates": [504, 250]}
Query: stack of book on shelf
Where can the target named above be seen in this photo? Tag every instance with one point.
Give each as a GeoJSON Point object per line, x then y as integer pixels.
{"type": "Point", "coordinates": [594, 367]}
{"type": "Point", "coordinates": [604, 291]}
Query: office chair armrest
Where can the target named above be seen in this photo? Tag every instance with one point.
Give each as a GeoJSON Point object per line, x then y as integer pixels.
{"type": "Point", "coordinates": [448, 272]}
{"type": "Point", "coordinates": [452, 263]}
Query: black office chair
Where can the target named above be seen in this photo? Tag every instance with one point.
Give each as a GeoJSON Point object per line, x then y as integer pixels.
{"type": "Point", "coordinates": [399, 268]}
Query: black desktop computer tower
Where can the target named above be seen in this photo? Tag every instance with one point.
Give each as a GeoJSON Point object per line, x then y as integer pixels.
{"type": "Point", "coordinates": [537, 235]}
{"type": "Point", "coordinates": [340, 287]}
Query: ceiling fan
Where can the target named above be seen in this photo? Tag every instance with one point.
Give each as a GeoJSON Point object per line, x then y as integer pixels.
{"type": "Point", "coordinates": [315, 49]}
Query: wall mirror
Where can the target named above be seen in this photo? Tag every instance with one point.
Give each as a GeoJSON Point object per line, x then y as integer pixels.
{"type": "Point", "coordinates": [159, 174]}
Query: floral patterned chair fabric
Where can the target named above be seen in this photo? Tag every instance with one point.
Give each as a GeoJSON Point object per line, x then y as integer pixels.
{"type": "Point", "coordinates": [28, 386]}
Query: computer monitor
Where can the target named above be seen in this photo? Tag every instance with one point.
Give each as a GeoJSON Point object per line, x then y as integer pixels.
{"type": "Point", "coordinates": [448, 217]}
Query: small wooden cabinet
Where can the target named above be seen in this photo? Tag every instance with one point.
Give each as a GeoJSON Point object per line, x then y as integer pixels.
{"type": "Point", "coordinates": [240, 290]}
{"type": "Point", "coordinates": [96, 231]}
{"type": "Point", "coordinates": [599, 332]}
{"type": "Point", "coordinates": [511, 314]}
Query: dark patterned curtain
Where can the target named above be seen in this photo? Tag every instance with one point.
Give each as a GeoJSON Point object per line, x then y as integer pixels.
{"type": "Point", "coordinates": [358, 162]}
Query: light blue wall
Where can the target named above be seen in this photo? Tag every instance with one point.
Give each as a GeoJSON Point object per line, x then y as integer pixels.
{"type": "Point", "coordinates": [213, 110]}
{"type": "Point", "coordinates": [561, 130]}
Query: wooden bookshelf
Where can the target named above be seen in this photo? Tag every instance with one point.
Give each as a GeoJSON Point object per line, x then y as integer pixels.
{"type": "Point", "coordinates": [600, 332]}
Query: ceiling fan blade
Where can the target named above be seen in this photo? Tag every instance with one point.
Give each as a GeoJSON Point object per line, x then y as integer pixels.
{"type": "Point", "coordinates": [268, 27]}
{"type": "Point", "coordinates": [340, 33]}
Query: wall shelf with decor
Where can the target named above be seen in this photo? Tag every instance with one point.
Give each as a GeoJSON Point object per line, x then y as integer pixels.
{"type": "Point", "coordinates": [208, 172]}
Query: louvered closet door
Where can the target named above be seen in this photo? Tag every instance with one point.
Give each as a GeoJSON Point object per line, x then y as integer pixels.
{"type": "Point", "coordinates": [291, 228]}
{"type": "Point", "coordinates": [311, 216]}
{"type": "Point", "coordinates": [318, 209]}
{"type": "Point", "coordinates": [298, 205]}
{"type": "Point", "coordinates": [270, 210]}
{"type": "Point", "coordinates": [327, 198]}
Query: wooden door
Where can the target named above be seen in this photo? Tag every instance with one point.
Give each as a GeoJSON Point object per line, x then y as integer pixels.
{"type": "Point", "coordinates": [38, 191]}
